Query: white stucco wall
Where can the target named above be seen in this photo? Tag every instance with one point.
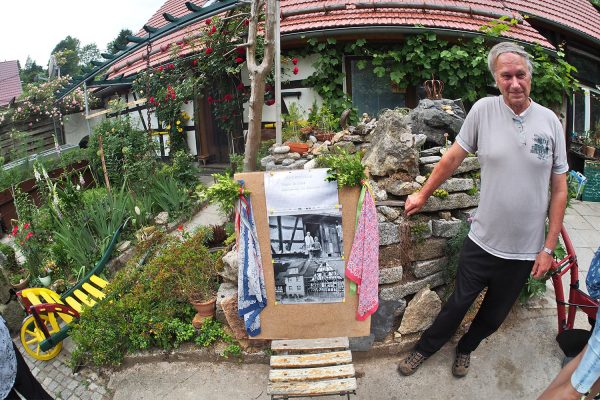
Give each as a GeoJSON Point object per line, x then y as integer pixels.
{"type": "Point", "coordinates": [75, 126]}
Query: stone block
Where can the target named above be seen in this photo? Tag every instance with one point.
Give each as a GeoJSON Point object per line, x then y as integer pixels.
{"type": "Point", "coordinates": [390, 213]}
{"type": "Point", "coordinates": [467, 214]}
{"type": "Point", "coordinates": [232, 318]}
{"type": "Point", "coordinates": [428, 249]}
{"type": "Point", "coordinates": [420, 312]}
{"type": "Point", "coordinates": [421, 269]}
{"type": "Point", "coordinates": [378, 193]}
{"type": "Point", "coordinates": [458, 185]}
{"type": "Point", "coordinates": [390, 275]}
{"type": "Point", "coordinates": [468, 164]}
{"type": "Point", "coordinates": [452, 202]}
{"type": "Point", "coordinates": [162, 218]}
{"type": "Point", "coordinates": [401, 188]}
{"type": "Point", "coordinates": [400, 290]}
{"type": "Point", "coordinates": [227, 290]}
{"type": "Point", "coordinates": [446, 229]}
{"type": "Point", "coordinates": [431, 152]}
{"type": "Point", "coordinates": [361, 343]}
{"type": "Point", "coordinates": [388, 233]}
{"type": "Point", "coordinates": [230, 267]}
{"type": "Point", "coordinates": [429, 159]}
{"type": "Point", "coordinates": [382, 321]}
{"type": "Point", "coordinates": [281, 150]}
{"type": "Point", "coordinates": [310, 164]}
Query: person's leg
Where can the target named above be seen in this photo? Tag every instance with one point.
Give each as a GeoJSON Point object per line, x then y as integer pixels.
{"type": "Point", "coordinates": [25, 383]}
{"type": "Point", "coordinates": [470, 281]}
{"type": "Point", "coordinates": [559, 386]}
{"type": "Point", "coordinates": [507, 278]}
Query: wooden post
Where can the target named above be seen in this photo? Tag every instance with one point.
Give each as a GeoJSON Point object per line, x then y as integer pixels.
{"type": "Point", "coordinates": [106, 180]}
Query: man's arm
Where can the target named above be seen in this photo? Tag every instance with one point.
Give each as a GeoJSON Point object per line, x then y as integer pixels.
{"type": "Point", "coordinates": [556, 213]}
{"type": "Point", "coordinates": [442, 171]}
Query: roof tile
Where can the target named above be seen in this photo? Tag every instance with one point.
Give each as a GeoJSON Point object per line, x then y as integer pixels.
{"type": "Point", "coordinates": [10, 81]}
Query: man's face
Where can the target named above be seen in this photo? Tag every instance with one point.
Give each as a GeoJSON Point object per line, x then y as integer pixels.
{"type": "Point", "coordinates": [514, 80]}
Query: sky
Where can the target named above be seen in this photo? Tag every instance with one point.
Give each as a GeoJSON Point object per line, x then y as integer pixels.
{"type": "Point", "coordinates": [32, 28]}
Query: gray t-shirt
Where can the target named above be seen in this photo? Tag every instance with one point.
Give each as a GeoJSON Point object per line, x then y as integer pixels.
{"type": "Point", "coordinates": [517, 154]}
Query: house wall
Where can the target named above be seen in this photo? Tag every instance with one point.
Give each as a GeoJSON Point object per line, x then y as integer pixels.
{"type": "Point", "coordinates": [76, 127]}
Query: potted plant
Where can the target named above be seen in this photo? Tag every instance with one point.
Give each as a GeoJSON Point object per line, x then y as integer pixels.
{"type": "Point", "coordinates": [20, 279]}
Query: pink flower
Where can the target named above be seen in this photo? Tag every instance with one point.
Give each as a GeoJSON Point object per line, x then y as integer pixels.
{"type": "Point", "coordinates": [295, 71]}
{"type": "Point", "coordinates": [14, 230]}
{"type": "Point", "coordinates": [239, 60]}
{"type": "Point", "coordinates": [26, 226]}
{"type": "Point", "coordinates": [295, 60]}
{"type": "Point", "coordinates": [208, 50]}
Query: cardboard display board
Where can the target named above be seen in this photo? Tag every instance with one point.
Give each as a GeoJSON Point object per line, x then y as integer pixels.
{"type": "Point", "coordinates": [308, 320]}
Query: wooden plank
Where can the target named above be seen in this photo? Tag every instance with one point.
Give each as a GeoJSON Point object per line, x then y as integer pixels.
{"type": "Point", "coordinates": [311, 360]}
{"type": "Point", "coordinates": [74, 304]}
{"type": "Point", "coordinates": [96, 280]}
{"type": "Point", "coordinates": [336, 386]}
{"type": "Point", "coordinates": [312, 374]}
{"type": "Point", "coordinates": [93, 291]}
{"type": "Point", "coordinates": [84, 298]}
{"type": "Point", "coordinates": [337, 343]}
{"type": "Point", "coordinates": [131, 103]}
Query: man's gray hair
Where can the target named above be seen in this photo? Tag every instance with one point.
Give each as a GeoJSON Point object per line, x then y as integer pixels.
{"type": "Point", "coordinates": [507, 47]}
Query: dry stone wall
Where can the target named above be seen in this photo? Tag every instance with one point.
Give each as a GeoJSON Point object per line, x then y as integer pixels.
{"type": "Point", "coordinates": [413, 251]}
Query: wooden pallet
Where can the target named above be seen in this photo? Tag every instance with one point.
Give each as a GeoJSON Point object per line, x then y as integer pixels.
{"type": "Point", "coordinates": [311, 367]}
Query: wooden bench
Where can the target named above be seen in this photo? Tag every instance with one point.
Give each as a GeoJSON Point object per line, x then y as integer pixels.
{"type": "Point", "coordinates": [311, 367]}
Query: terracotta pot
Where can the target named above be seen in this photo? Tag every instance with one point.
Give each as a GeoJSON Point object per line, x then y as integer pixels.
{"type": "Point", "coordinates": [205, 309]}
{"type": "Point", "coordinates": [322, 137]}
{"type": "Point", "coordinates": [22, 284]}
{"type": "Point", "coordinates": [296, 147]}
{"type": "Point", "coordinates": [589, 151]}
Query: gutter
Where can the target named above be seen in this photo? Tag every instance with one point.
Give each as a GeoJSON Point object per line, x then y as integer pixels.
{"type": "Point", "coordinates": [576, 32]}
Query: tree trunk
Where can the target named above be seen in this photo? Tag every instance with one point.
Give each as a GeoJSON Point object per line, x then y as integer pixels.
{"type": "Point", "coordinates": [258, 74]}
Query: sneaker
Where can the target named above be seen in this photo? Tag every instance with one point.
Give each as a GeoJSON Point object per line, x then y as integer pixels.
{"type": "Point", "coordinates": [460, 367]}
{"type": "Point", "coordinates": [411, 363]}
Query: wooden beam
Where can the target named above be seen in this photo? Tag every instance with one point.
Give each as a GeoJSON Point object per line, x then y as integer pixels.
{"type": "Point", "coordinates": [131, 103]}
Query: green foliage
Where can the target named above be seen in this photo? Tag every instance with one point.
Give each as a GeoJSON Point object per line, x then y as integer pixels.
{"type": "Point", "coordinates": [169, 195]}
{"type": "Point", "coordinates": [119, 42]}
{"type": "Point", "coordinates": [453, 248]}
{"type": "Point", "coordinates": [345, 168]}
{"type": "Point", "coordinates": [418, 230]}
{"type": "Point", "coordinates": [11, 260]}
{"type": "Point", "coordinates": [440, 193]}
{"type": "Point", "coordinates": [533, 288]}
{"type": "Point", "coordinates": [211, 332]}
{"type": "Point", "coordinates": [183, 169]}
{"type": "Point", "coordinates": [129, 153]}
{"type": "Point", "coordinates": [224, 193]}
{"type": "Point", "coordinates": [232, 350]}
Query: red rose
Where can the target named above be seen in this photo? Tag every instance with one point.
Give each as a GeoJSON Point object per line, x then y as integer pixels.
{"type": "Point", "coordinates": [208, 21]}
{"type": "Point", "coordinates": [295, 70]}
{"type": "Point", "coordinates": [213, 29]}
{"type": "Point", "coordinates": [26, 226]}
{"type": "Point", "coordinates": [295, 60]}
{"type": "Point", "coordinates": [268, 88]}
{"type": "Point", "coordinates": [240, 86]}
{"type": "Point", "coordinates": [210, 100]}
{"type": "Point", "coordinates": [239, 60]}
{"type": "Point", "coordinates": [240, 50]}
{"type": "Point", "coordinates": [30, 234]}
{"type": "Point", "coordinates": [227, 97]}
{"type": "Point", "coordinates": [180, 228]}
{"type": "Point", "coordinates": [151, 100]}
{"type": "Point", "coordinates": [160, 68]}
{"type": "Point", "coordinates": [15, 230]}
{"type": "Point", "coordinates": [246, 22]}
{"type": "Point", "coordinates": [194, 62]}
{"type": "Point", "coordinates": [208, 50]}
{"type": "Point", "coordinates": [270, 102]}
{"type": "Point", "coordinates": [171, 66]}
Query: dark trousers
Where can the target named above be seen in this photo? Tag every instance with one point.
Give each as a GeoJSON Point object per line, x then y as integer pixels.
{"type": "Point", "coordinates": [25, 382]}
{"type": "Point", "coordinates": [477, 269]}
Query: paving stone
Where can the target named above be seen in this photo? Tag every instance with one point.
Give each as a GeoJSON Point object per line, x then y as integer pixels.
{"type": "Point", "coordinates": [72, 385]}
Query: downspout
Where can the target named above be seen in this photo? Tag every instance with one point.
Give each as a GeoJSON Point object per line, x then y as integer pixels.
{"type": "Point", "coordinates": [278, 98]}
{"type": "Point", "coordinates": [87, 111]}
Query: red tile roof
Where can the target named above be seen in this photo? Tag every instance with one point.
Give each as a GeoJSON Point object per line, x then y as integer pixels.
{"type": "Point", "coordinates": [10, 82]}
{"type": "Point", "coordinates": [574, 14]}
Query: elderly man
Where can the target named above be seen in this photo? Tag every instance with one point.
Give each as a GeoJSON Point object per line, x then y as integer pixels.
{"type": "Point", "coordinates": [521, 148]}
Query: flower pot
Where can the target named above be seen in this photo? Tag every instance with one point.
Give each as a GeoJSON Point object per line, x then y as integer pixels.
{"type": "Point", "coordinates": [589, 151]}
{"type": "Point", "coordinates": [45, 280]}
{"type": "Point", "coordinates": [322, 137]}
{"type": "Point", "coordinates": [205, 309]}
{"type": "Point", "coordinates": [297, 147]}
{"type": "Point", "coordinates": [22, 284]}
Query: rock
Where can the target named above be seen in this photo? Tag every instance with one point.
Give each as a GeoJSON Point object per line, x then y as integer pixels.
{"type": "Point", "coordinates": [445, 215]}
{"type": "Point", "coordinates": [320, 149]}
{"type": "Point", "coordinates": [123, 246]}
{"type": "Point", "coordinates": [420, 140]}
{"type": "Point", "coordinates": [382, 321]}
{"type": "Point", "coordinates": [298, 164]}
{"type": "Point", "coordinates": [420, 312]}
{"type": "Point", "coordinates": [427, 249]}
{"type": "Point", "coordinates": [360, 129]}
{"type": "Point", "coordinates": [457, 185]}
{"type": "Point", "coordinates": [381, 218]}
{"type": "Point", "coordinates": [431, 119]}
{"type": "Point", "coordinates": [281, 149]}
{"type": "Point", "coordinates": [400, 290]}
{"type": "Point", "coordinates": [389, 212]}
{"type": "Point", "coordinates": [266, 160]}
{"type": "Point", "coordinates": [353, 138]}
{"type": "Point", "coordinates": [421, 269]}
{"type": "Point", "coordinates": [388, 233]}
{"type": "Point", "coordinates": [278, 158]}
{"type": "Point", "coordinates": [348, 146]}
{"type": "Point", "coordinates": [420, 179]}
{"type": "Point", "coordinates": [162, 218]}
{"type": "Point", "coordinates": [468, 164]}
{"type": "Point", "coordinates": [467, 215]}
{"type": "Point", "coordinates": [434, 151]}
{"type": "Point", "coordinates": [287, 161]}
{"type": "Point", "coordinates": [313, 139]}
{"type": "Point", "coordinates": [445, 228]}
{"type": "Point", "coordinates": [378, 193]}
{"type": "Point", "coordinates": [421, 230]}
{"type": "Point", "coordinates": [390, 275]}
{"type": "Point", "coordinates": [337, 137]}
{"type": "Point", "coordinates": [390, 203]}
{"type": "Point", "coordinates": [361, 343]}
{"type": "Point", "coordinates": [392, 147]}
{"type": "Point", "coordinates": [230, 266]}
{"type": "Point", "coordinates": [453, 201]}
{"type": "Point", "coordinates": [429, 159]}
{"type": "Point", "coordinates": [310, 164]}
{"type": "Point", "coordinates": [400, 188]}
{"type": "Point", "coordinates": [271, 166]}
{"type": "Point", "coordinates": [226, 290]}
{"type": "Point", "coordinates": [294, 156]}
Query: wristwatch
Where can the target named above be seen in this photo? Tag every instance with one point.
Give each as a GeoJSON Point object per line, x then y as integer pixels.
{"type": "Point", "coordinates": [548, 250]}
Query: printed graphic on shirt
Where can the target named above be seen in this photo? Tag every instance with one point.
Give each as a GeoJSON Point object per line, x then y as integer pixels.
{"type": "Point", "coordinates": [540, 147]}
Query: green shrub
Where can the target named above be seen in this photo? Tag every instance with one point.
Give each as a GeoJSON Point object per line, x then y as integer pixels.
{"type": "Point", "coordinates": [11, 260]}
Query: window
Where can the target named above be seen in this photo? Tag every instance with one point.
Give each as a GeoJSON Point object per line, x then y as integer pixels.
{"type": "Point", "coordinates": [586, 110]}
{"type": "Point", "coordinates": [370, 93]}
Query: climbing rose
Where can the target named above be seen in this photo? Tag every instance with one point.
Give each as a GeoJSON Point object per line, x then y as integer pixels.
{"type": "Point", "coordinates": [26, 226]}
{"type": "Point", "coordinates": [208, 50]}
{"type": "Point", "coordinates": [213, 29]}
{"type": "Point", "coordinates": [240, 86]}
{"type": "Point", "coordinates": [270, 102]}
{"type": "Point", "coordinates": [194, 62]}
{"type": "Point", "coordinates": [210, 100]}
{"type": "Point", "coordinates": [171, 66]}
{"type": "Point", "coordinates": [30, 234]}
{"type": "Point", "coordinates": [240, 50]}
{"type": "Point", "coordinates": [295, 60]}
{"type": "Point", "coordinates": [227, 97]}
{"type": "Point", "coordinates": [208, 21]}
{"type": "Point", "coordinates": [239, 60]}
{"type": "Point", "coordinates": [15, 230]}
{"type": "Point", "coordinates": [295, 70]}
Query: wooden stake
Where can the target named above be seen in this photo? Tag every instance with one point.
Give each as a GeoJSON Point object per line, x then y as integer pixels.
{"type": "Point", "coordinates": [106, 181]}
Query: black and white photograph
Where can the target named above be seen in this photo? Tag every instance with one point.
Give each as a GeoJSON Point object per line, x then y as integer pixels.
{"type": "Point", "coordinates": [307, 252]}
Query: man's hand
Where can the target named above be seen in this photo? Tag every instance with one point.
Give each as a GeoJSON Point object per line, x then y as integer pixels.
{"type": "Point", "coordinates": [542, 264]}
{"type": "Point", "coordinates": [414, 203]}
